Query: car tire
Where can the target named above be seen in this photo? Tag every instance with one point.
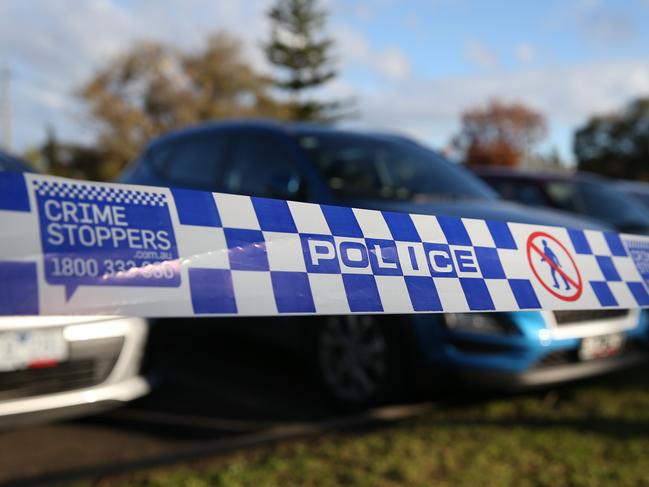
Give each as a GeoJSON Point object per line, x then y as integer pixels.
{"type": "Point", "coordinates": [359, 360]}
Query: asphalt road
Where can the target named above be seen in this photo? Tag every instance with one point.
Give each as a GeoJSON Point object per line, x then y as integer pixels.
{"type": "Point", "coordinates": [213, 388]}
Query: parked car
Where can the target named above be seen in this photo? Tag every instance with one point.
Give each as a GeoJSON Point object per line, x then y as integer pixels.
{"type": "Point", "coordinates": [54, 367]}
{"type": "Point", "coordinates": [364, 359]}
{"type": "Point", "coordinates": [636, 189]}
{"type": "Point", "coordinates": [585, 194]}
{"type": "Point", "coordinates": [13, 164]}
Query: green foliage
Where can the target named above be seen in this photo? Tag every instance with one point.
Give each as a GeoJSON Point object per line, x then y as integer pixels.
{"type": "Point", "coordinates": [586, 435]}
{"type": "Point", "coordinates": [67, 160]}
{"type": "Point", "coordinates": [617, 144]}
{"type": "Point", "coordinates": [299, 48]}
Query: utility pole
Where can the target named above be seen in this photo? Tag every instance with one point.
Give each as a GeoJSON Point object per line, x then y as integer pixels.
{"type": "Point", "coordinates": [5, 107]}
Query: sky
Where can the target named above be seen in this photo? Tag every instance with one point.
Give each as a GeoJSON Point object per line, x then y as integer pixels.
{"type": "Point", "coordinates": [411, 66]}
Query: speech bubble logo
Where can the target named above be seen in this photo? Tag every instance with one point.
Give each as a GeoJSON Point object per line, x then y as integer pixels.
{"type": "Point", "coordinates": [104, 235]}
{"type": "Point", "coordinates": [69, 291]}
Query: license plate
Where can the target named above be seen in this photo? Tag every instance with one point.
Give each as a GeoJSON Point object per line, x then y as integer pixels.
{"type": "Point", "coordinates": [601, 346]}
{"type": "Point", "coordinates": [31, 348]}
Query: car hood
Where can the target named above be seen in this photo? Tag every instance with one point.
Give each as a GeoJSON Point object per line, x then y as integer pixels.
{"type": "Point", "coordinates": [32, 322]}
{"type": "Point", "coordinates": [485, 210]}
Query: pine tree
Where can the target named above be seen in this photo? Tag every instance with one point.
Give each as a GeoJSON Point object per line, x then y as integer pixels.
{"type": "Point", "coordinates": [299, 47]}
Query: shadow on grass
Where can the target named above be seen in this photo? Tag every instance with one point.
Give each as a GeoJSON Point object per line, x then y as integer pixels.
{"type": "Point", "coordinates": [635, 379]}
{"type": "Point", "coordinates": [617, 428]}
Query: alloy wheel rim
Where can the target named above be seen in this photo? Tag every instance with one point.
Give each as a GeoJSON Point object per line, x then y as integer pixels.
{"type": "Point", "coordinates": [353, 357]}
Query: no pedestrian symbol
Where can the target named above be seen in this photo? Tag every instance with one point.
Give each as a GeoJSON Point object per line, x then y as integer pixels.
{"type": "Point", "coordinates": [554, 266]}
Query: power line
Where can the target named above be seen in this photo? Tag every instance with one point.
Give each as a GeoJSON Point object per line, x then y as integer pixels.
{"type": "Point", "coordinates": [5, 107]}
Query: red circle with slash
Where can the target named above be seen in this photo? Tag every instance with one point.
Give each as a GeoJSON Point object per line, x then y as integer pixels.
{"type": "Point", "coordinates": [576, 282]}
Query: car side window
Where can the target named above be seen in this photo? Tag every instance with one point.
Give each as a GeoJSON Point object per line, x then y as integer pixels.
{"type": "Point", "coordinates": [193, 161]}
{"type": "Point", "coordinates": [158, 157]}
{"type": "Point", "coordinates": [565, 196]}
{"type": "Point", "coordinates": [528, 194]}
{"type": "Point", "coordinates": [261, 164]}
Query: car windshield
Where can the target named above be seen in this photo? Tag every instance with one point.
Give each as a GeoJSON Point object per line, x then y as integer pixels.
{"type": "Point", "coordinates": [598, 200]}
{"type": "Point", "coordinates": [365, 167]}
{"type": "Point", "coordinates": [640, 196]}
{"type": "Point", "coordinates": [613, 206]}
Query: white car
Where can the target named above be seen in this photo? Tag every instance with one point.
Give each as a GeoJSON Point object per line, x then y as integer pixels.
{"type": "Point", "coordinates": [55, 367]}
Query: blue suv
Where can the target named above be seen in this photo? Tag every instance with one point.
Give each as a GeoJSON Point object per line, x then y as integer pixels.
{"type": "Point", "coordinates": [362, 360]}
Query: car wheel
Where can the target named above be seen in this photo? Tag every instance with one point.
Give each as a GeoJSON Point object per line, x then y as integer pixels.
{"type": "Point", "coordinates": [358, 360]}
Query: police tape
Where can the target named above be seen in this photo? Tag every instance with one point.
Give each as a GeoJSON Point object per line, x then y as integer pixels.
{"type": "Point", "coordinates": [75, 247]}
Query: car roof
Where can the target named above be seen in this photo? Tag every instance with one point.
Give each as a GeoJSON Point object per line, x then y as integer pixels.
{"type": "Point", "coordinates": [321, 129]}
{"type": "Point", "coordinates": [9, 162]}
{"type": "Point", "coordinates": [633, 186]}
{"type": "Point", "coordinates": [289, 128]}
{"type": "Point", "coordinates": [496, 172]}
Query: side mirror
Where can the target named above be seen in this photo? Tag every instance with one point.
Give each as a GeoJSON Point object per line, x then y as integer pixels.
{"type": "Point", "coordinates": [285, 185]}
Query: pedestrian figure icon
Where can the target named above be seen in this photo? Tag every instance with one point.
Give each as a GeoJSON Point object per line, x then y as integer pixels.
{"type": "Point", "coordinates": [544, 249]}
{"type": "Point", "coordinates": [553, 261]}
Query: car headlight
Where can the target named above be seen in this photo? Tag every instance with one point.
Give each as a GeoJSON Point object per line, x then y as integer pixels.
{"type": "Point", "coordinates": [481, 324]}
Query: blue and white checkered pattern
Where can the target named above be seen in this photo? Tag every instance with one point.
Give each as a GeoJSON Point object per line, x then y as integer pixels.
{"type": "Point", "coordinates": [615, 269]}
{"type": "Point", "coordinates": [266, 268]}
{"type": "Point", "coordinates": [94, 192]}
{"type": "Point", "coordinates": [241, 255]}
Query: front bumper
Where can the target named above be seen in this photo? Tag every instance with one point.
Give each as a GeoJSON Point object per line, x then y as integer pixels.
{"type": "Point", "coordinates": [531, 378]}
{"type": "Point", "coordinates": [102, 370]}
{"type": "Point", "coordinates": [73, 403]}
{"type": "Point", "coordinates": [544, 352]}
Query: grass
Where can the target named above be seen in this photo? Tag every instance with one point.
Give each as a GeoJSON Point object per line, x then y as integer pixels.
{"type": "Point", "coordinates": [586, 435]}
